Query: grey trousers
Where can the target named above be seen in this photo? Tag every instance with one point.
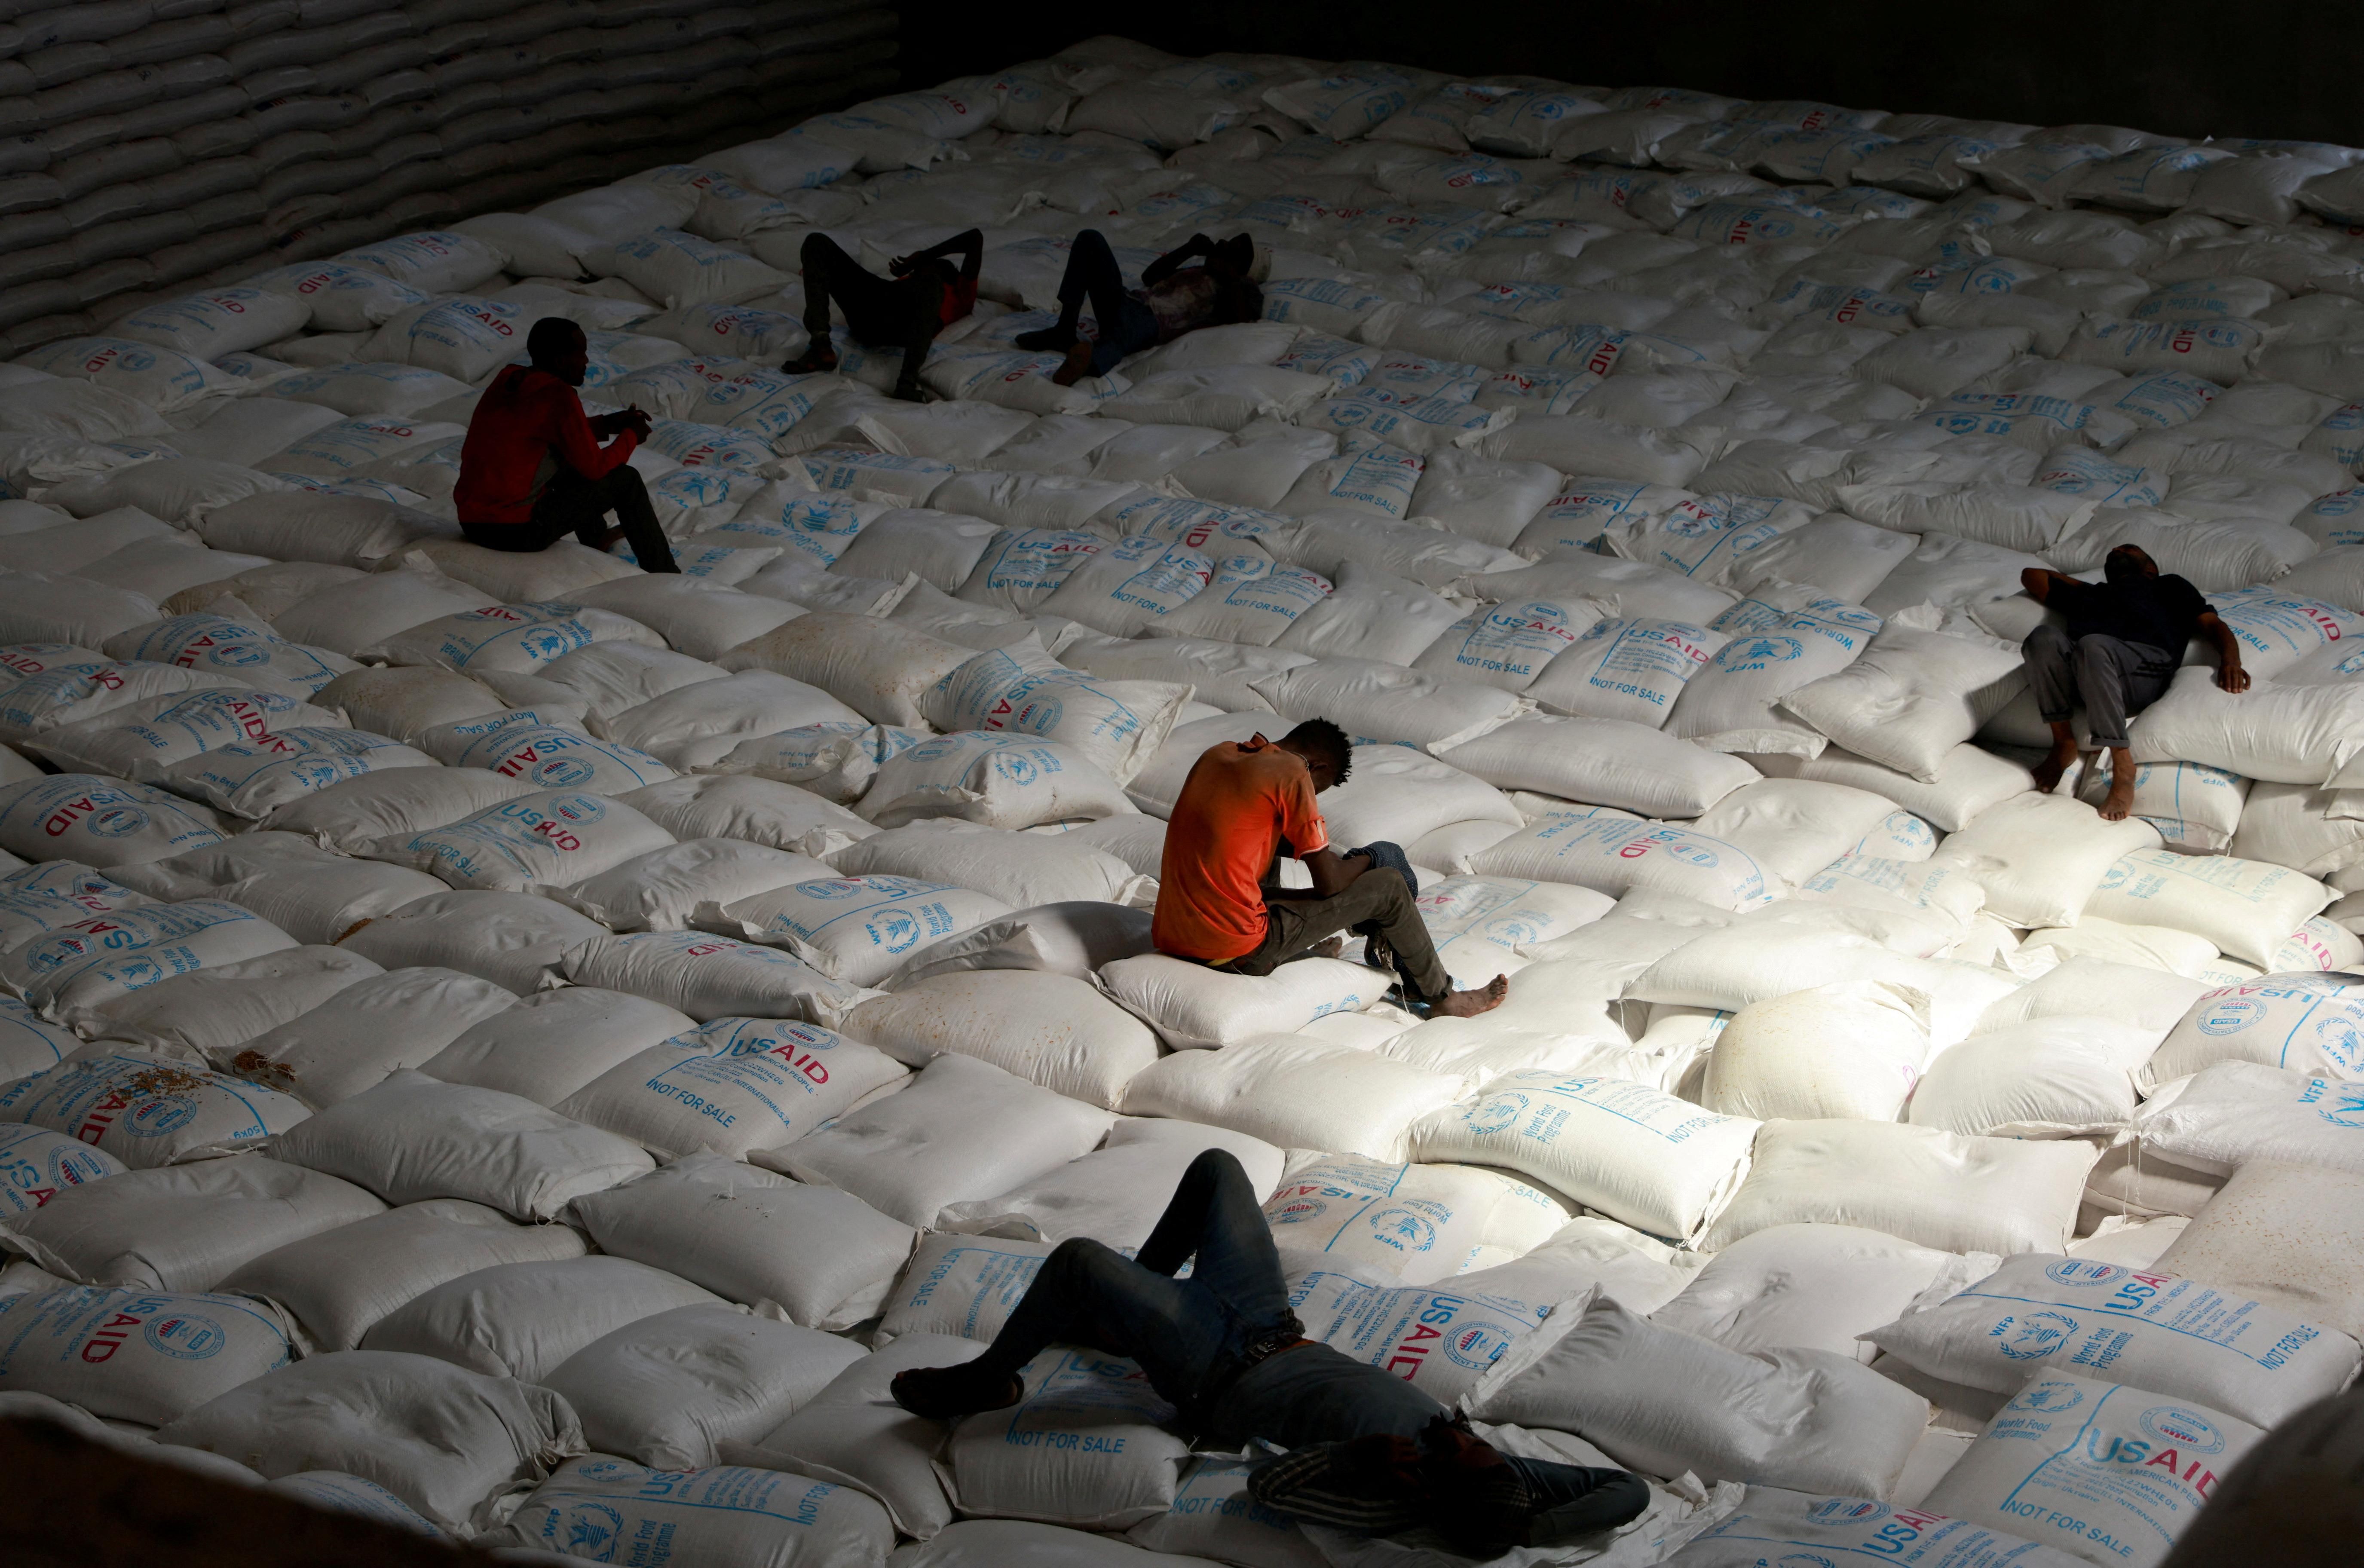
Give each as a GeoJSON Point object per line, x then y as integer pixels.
{"type": "Point", "coordinates": [1378, 899]}
{"type": "Point", "coordinates": [2113, 680]}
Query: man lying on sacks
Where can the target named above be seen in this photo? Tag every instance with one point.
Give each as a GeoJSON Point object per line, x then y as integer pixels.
{"type": "Point", "coordinates": [1172, 299]}
{"type": "Point", "coordinates": [2124, 638]}
{"type": "Point", "coordinates": [534, 470]}
{"type": "Point", "coordinates": [1245, 804]}
{"type": "Point", "coordinates": [1364, 1451]}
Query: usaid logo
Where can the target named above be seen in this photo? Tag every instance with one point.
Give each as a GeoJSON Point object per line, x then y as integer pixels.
{"type": "Point", "coordinates": [2184, 1427]}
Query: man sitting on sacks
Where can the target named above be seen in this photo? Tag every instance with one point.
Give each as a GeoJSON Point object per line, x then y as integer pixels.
{"type": "Point", "coordinates": [1364, 1451]}
{"type": "Point", "coordinates": [1243, 807]}
{"type": "Point", "coordinates": [2124, 642]}
{"type": "Point", "coordinates": [533, 471]}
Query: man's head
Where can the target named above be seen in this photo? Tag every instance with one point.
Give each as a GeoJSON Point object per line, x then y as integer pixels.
{"type": "Point", "coordinates": [1327, 754]}
{"type": "Point", "coordinates": [557, 345]}
{"type": "Point", "coordinates": [2128, 564]}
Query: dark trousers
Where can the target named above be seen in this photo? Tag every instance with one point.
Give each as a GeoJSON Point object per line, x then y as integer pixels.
{"type": "Point", "coordinates": [572, 503]}
{"type": "Point", "coordinates": [1191, 1336]}
{"type": "Point", "coordinates": [1126, 324]}
{"type": "Point", "coordinates": [2113, 680]}
{"type": "Point", "coordinates": [1378, 903]}
{"type": "Point", "coordinates": [881, 313]}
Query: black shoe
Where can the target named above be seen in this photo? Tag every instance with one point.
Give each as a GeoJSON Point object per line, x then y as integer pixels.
{"type": "Point", "coordinates": [1046, 340]}
{"type": "Point", "coordinates": [810, 364]}
{"type": "Point", "coordinates": [909, 391]}
{"type": "Point", "coordinates": [945, 1393]}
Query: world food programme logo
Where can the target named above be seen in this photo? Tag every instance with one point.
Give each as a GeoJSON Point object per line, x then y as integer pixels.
{"type": "Point", "coordinates": [2184, 1427]}
{"type": "Point", "coordinates": [2049, 1399]}
{"type": "Point", "coordinates": [2035, 1336]}
{"type": "Point", "coordinates": [1497, 1114]}
{"type": "Point", "coordinates": [894, 930]}
{"type": "Point", "coordinates": [1403, 1229]}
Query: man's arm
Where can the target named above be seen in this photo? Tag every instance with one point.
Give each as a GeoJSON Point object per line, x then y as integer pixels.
{"type": "Point", "coordinates": [1166, 266]}
{"type": "Point", "coordinates": [579, 444]}
{"type": "Point", "coordinates": [2229, 674]}
{"type": "Point", "coordinates": [2041, 585]}
{"type": "Point", "coordinates": [971, 240]}
{"type": "Point", "coordinates": [1332, 872]}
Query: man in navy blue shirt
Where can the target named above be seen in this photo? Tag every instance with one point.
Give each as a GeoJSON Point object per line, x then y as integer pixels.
{"type": "Point", "coordinates": [2119, 650]}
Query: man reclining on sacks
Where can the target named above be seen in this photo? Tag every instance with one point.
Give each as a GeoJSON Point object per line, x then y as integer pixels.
{"type": "Point", "coordinates": [1172, 299]}
{"type": "Point", "coordinates": [1366, 1450]}
{"type": "Point", "coordinates": [1244, 806]}
{"type": "Point", "coordinates": [2124, 642]}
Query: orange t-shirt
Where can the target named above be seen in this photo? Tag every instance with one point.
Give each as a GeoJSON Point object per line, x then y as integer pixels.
{"type": "Point", "coordinates": [1236, 807]}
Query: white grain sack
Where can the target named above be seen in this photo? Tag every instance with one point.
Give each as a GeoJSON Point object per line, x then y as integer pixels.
{"type": "Point", "coordinates": [857, 930]}
{"type": "Point", "coordinates": [133, 1355]}
{"type": "Point", "coordinates": [2141, 1328]}
{"type": "Point", "coordinates": [1665, 1402]}
{"type": "Point", "coordinates": [947, 1137]}
{"type": "Point", "coordinates": [1629, 1150]}
{"type": "Point", "coordinates": [183, 1229]}
{"type": "Point", "coordinates": [751, 1236]}
{"type": "Point", "coordinates": [666, 1389]}
{"type": "Point", "coordinates": [338, 1285]}
{"type": "Point", "coordinates": [725, 1513]}
{"type": "Point", "coordinates": [1050, 1028]}
{"type": "Point", "coordinates": [451, 1443]}
{"type": "Point", "coordinates": [1954, 1194]}
{"type": "Point", "coordinates": [1295, 1091]}
{"type": "Point", "coordinates": [149, 1109]}
{"type": "Point", "coordinates": [2109, 1473]}
{"type": "Point", "coordinates": [521, 1320]}
{"type": "Point", "coordinates": [1085, 1447]}
{"type": "Point", "coordinates": [732, 1085]}
{"type": "Point", "coordinates": [709, 976]}
{"type": "Point", "coordinates": [413, 1138]}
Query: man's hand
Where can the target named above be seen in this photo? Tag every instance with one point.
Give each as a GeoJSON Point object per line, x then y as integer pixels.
{"type": "Point", "coordinates": [635, 420]}
{"type": "Point", "coordinates": [900, 266]}
{"type": "Point", "coordinates": [2232, 678]}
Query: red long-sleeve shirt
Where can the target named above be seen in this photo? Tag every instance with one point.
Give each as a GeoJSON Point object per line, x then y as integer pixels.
{"type": "Point", "coordinates": [526, 415]}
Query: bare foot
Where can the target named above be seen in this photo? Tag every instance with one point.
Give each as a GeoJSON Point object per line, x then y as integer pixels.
{"type": "Point", "coordinates": [2048, 771]}
{"type": "Point", "coordinates": [2122, 795]}
{"type": "Point", "coordinates": [1469, 1003]}
{"type": "Point", "coordinates": [1077, 364]}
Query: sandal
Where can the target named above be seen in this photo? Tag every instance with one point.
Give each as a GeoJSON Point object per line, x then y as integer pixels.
{"type": "Point", "coordinates": [810, 362]}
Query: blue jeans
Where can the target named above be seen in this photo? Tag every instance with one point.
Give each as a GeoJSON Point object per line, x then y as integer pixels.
{"type": "Point", "coordinates": [1126, 324]}
{"type": "Point", "coordinates": [1191, 1336]}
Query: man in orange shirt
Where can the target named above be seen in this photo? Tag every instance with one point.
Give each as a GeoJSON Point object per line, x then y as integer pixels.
{"type": "Point", "coordinates": [533, 469]}
{"type": "Point", "coordinates": [1242, 806]}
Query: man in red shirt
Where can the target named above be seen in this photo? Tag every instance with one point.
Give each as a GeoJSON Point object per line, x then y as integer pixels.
{"type": "Point", "coordinates": [533, 471]}
{"type": "Point", "coordinates": [1241, 806]}
{"type": "Point", "coordinates": [926, 294]}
